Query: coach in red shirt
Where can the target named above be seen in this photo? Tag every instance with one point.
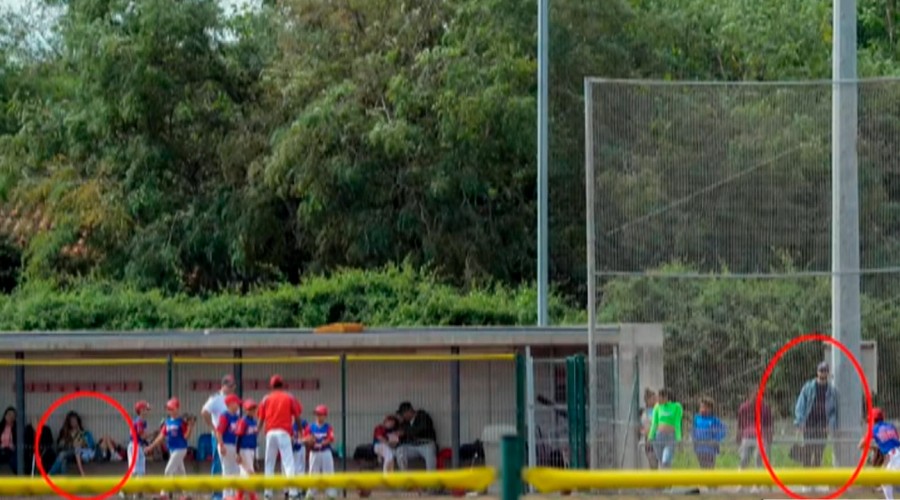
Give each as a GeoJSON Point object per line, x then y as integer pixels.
{"type": "Point", "coordinates": [277, 413]}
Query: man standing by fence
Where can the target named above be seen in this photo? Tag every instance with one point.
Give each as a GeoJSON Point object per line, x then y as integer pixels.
{"type": "Point", "coordinates": [816, 414]}
{"type": "Point", "coordinates": [211, 413]}
{"type": "Point", "coordinates": [277, 413]}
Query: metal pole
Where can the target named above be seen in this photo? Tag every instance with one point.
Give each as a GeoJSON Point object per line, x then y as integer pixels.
{"type": "Point", "coordinates": [591, 272]}
{"type": "Point", "coordinates": [344, 413]}
{"type": "Point", "coordinates": [239, 372]}
{"type": "Point", "coordinates": [845, 300]}
{"type": "Point", "coordinates": [531, 441]}
{"type": "Point", "coordinates": [21, 416]}
{"type": "Point", "coordinates": [510, 467]}
{"type": "Point", "coordinates": [454, 409]}
{"type": "Point", "coordinates": [170, 369]}
{"type": "Point", "coordinates": [543, 160]}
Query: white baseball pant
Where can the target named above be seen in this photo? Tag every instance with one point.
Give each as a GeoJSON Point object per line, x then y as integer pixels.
{"type": "Point", "coordinates": [386, 453]}
{"type": "Point", "coordinates": [300, 462]}
{"type": "Point", "coordinates": [140, 465]}
{"type": "Point", "coordinates": [230, 467]}
{"type": "Point", "coordinates": [248, 459]}
{"type": "Point", "coordinates": [893, 463]}
{"type": "Point", "coordinates": [278, 442]}
{"type": "Point", "coordinates": [321, 462]}
{"type": "Point", "coordinates": [175, 465]}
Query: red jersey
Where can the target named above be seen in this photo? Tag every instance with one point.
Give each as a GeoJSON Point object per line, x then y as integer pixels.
{"type": "Point", "coordinates": [278, 411]}
{"type": "Point", "coordinates": [747, 421]}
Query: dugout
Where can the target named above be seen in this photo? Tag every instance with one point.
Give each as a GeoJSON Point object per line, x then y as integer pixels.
{"type": "Point", "coordinates": [468, 379]}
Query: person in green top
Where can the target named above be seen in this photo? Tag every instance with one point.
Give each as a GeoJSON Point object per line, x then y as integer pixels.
{"type": "Point", "coordinates": [665, 428]}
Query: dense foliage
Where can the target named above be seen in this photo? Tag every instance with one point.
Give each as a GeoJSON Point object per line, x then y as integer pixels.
{"type": "Point", "coordinates": [168, 144]}
{"type": "Point", "coordinates": [393, 296]}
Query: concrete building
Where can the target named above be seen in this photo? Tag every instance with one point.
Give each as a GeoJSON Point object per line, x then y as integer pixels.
{"type": "Point", "coordinates": [630, 357]}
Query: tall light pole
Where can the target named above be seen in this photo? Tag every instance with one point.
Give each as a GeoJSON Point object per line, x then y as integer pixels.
{"type": "Point", "coordinates": [543, 126]}
{"type": "Point", "coordinates": [845, 265]}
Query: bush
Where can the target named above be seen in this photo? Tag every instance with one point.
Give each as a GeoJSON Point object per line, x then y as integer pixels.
{"type": "Point", "coordinates": [392, 296]}
{"type": "Point", "coordinates": [722, 332]}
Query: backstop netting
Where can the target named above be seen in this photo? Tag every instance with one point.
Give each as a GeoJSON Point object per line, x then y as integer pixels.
{"type": "Point", "coordinates": [711, 214]}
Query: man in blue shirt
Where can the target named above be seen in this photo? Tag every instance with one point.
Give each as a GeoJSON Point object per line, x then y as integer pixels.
{"type": "Point", "coordinates": [816, 415]}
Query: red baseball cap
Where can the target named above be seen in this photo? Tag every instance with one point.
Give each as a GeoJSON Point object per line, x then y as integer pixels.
{"type": "Point", "coordinates": [322, 410]}
{"type": "Point", "coordinates": [141, 406]}
{"type": "Point", "coordinates": [232, 399]}
{"type": "Point", "coordinates": [877, 414]}
{"type": "Point", "coordinates": [275, 380]}
{"type": "Point", "coordinates": [249, 404]}
{"type": "Point", "coordinates": [173, 404]}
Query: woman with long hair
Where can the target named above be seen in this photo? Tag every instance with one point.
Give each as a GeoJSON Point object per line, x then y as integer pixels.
{"type": "Point", "coordinates": [8, 440]}
{"type": "Point", "coordinates": [72, 443]}
{"type": "Point", "coordinates": [665, 427]}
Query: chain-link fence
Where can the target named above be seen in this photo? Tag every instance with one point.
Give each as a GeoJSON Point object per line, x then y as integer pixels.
{"type": "Point", "coordinates": [711, 207]}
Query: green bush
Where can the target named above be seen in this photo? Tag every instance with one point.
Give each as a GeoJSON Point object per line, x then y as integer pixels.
{"type": "Point", "coordinates": [392, 296]}
{"type": "Point", "coordinates": [721, 333]}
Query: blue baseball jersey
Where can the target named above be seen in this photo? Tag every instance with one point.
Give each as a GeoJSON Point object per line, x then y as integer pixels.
{"type": "Point", "coordinates": [175, 429]}
{"type": "Point", "coordinates": [321, 433]}
{"type": "Point", "coordinates": [708, 431]}
{"type": "Point", "coordinates": [299, 432]}
{"type": "Point", "coordinates": [247, 431]}
{"type": "Point", "coordinates": [140, 426]}
{"type": "Point", "coordinates": [885, 437]}
{"type": "Point", "coordinates": [228, 427]}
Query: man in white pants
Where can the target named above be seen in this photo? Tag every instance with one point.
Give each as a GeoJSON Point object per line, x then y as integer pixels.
{"type": "Point", "coordinates": [886, 440]}
{"type": "Point", "coordinates": [278, 412]}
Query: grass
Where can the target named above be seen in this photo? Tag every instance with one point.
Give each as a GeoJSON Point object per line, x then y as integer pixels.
{"type": "Point", "coordinates": [779, 457]}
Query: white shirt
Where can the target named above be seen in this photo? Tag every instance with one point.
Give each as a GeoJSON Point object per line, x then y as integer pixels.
{"type": "Point", "coordinates": [215, 405]}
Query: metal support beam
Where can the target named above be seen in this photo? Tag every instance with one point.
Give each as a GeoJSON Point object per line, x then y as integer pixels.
{"type": "Point", "coordinates": [543, 180]}
{"type": "Point", "coordinates": [454, 409]}
{"type": "Point", "coordinates": [239, 372]}
{"type": "Point", "coordinates": [21, 416]}
{"type": "Point", "coordinates": [590, 230]}
{"type": "Point", "coordinates": [845, 265]}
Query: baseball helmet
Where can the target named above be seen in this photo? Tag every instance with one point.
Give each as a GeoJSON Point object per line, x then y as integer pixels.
{"type": "Point", "coordinates": [173, 404]}
{"type": "Point", "coordinates": [877, 414]}
{"type": "Point", "coordinates": [232, 399]}
{"type": "Point", "coordinates": [321, 410]}
{"type": "Point", "coordinates": [249, 404]}
{"type": "Point", "coordinates": [141, 406]}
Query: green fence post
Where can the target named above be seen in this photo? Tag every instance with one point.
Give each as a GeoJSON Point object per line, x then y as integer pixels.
{"type": "Point", "coordinates": [520, 396]}
{"type": "Point", "coordinates": [572, 411]}
{"type": "Point", "coordinates": [169, 375]}
{"type": "Point", "coordinates": [581, 367]}
{"type": "Point", "coordinates": [510, 468]}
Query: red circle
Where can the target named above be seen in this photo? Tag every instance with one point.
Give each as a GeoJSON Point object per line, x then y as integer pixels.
{"type": "Point", "coordinates": [46, 416]}
{"type": "Point", "coordinates": [762, 390]}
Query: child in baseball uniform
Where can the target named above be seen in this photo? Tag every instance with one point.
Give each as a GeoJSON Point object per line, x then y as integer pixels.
{"type": "Point", "coordinates": [319, 438]}
{"type": "Point", "coordinates": [136, 456]}
{"type": "Point", "coordinates": [299, 447]}
{"type": "Point", "coordinates": [387, 438]}
{"type": "Point", "coordinates": [226, 436]}
{"type": "Point", "coordinates": [176, 431]}
{"type": "Point", "coordinates": [247, 431]}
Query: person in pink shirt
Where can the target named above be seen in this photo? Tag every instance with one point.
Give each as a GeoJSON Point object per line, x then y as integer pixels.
{"type": "Point", "coordinates": [746, 435]}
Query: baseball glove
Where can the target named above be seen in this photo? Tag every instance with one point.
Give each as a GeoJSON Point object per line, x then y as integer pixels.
{"type": "Point", "coordinates": [876, 458]}
{"type": "Point", "coordinates": [190, 418]}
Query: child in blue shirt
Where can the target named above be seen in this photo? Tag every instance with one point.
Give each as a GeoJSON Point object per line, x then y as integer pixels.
{"type": "Point", "coordinates": [708, 432]}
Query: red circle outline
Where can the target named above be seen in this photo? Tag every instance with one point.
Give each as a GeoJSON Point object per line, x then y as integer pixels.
{"type": "Point", "coordinates": [762, 390]}
{"type": "Point", "coordinates": [46, 416]}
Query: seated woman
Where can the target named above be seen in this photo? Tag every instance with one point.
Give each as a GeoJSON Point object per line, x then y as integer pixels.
{"type": "Point", "coordinates": [8, 439]}
{"type": "Point", "coordinates": [74, 442]}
